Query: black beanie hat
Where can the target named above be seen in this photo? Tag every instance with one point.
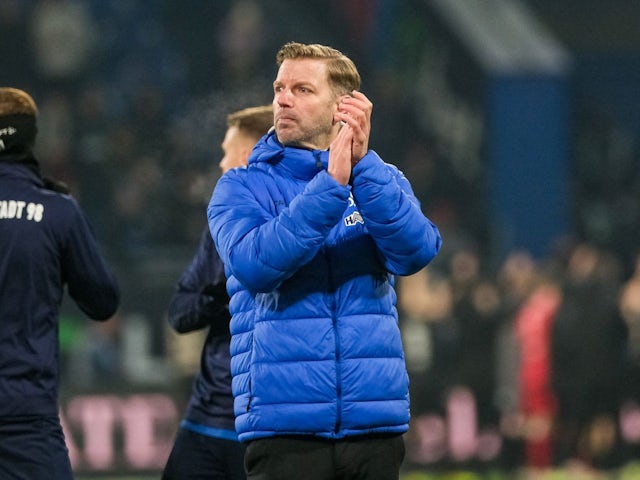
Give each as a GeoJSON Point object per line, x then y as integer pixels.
{"type": "Point", "coordinates": [17, 133]}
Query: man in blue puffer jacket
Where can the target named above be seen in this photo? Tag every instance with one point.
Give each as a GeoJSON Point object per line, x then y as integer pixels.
{"type": "Point", "coordinates": [311, 234]}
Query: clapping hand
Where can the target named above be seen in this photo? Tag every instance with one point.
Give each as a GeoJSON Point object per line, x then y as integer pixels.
{"type": "Point", "coordinates": [352, 141]}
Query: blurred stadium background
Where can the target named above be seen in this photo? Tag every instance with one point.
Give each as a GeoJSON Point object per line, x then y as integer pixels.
{"type": "Point", "coordinates": [517, 122]}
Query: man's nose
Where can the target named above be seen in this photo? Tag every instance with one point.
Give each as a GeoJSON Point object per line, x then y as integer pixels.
{"type": "Point", "coordinates": [283, 97]}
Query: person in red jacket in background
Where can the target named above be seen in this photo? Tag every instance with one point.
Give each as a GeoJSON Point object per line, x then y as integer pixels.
{"type": "Point", "coordinates": [533, 325]}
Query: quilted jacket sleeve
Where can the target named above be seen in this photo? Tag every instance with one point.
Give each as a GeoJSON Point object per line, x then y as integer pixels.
{"type": "Point", "coordinates": [405, 237]}
{"type": "Point", "coordinates": [262, 249]}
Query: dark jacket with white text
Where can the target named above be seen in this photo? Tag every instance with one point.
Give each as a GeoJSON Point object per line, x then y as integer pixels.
{"type": "Point", "coordinates": [46, 243]}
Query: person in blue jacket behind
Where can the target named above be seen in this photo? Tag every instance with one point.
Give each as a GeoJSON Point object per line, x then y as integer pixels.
{"type": "Point", "coordinates": [206, 445]}
{"type": "Point", "coordinates": [312, 234]}
{"type": "Point", "coordinates": [46, 244]}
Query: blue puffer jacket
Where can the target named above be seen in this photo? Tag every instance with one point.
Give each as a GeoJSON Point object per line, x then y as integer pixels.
{"type": "Point", "coordinates": [316, 348]}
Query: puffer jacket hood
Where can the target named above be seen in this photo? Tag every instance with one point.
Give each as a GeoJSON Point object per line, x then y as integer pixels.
{"type": "Point", "coordinates": [302, 163]}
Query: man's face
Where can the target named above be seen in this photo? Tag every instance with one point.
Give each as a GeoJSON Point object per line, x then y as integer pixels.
{"type": "Point", "coordinates": [304, 104]}
{"type": "Point", "coordinates": [236, 146]}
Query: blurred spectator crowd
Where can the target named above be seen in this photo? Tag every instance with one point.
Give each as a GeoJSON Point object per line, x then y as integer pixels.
{"type": "Point", "coordinates": [545, 352]}
{"type": "Point", "coordinates": [133, 96]}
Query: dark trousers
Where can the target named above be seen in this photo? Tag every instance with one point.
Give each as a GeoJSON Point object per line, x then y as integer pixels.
{"type": "Point", "coordinates": [199, 457]}
{"type": "Point", "coordinates": [33, 448]}
{"type": "Point", "coordinates": [308, 458]}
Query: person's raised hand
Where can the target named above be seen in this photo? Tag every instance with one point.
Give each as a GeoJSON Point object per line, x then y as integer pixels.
{"type": "Point", "coordinates": [340, 155]}
{"type": "Point", "coordinates": [355, 111]}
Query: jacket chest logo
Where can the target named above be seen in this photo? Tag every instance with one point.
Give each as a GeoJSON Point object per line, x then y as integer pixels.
{"type": "Point", "coordinates": [354, 217]}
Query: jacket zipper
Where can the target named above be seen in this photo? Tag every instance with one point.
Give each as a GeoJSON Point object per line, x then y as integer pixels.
{"type": "Point", "coordinates": [338, 360]}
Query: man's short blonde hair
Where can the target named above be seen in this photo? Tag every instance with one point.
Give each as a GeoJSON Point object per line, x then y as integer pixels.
{"type": "Point", "coordinates": [14, 101]}
{"type": "Point", "coordinates": [342, 72]}
{"type": "Point", "coordinates": [253, 121]}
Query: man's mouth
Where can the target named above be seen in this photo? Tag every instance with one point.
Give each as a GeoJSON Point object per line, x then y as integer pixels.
{"type": "Point", "coordinates": [285, 119]}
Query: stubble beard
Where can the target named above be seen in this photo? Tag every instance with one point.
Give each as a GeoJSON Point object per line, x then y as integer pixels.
{"type": "Point", "coordinates": [318, 137]}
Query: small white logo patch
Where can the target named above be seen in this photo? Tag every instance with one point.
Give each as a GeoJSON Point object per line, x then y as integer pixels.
{"type": "Point", "coordinates": [353, 219]}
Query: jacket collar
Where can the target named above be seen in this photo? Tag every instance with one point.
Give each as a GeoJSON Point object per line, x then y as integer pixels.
{"type": "Point", "coordinates": [301, 163]}
{"type": "Point", "coordinates": [20, 171]}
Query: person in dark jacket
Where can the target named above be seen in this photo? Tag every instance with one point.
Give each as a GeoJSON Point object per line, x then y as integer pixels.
{"type": "Point", "coordinates": [312, 234]}
{"type": "Point", "coordinates": [46, 244]}
{"type": "Point", "coordinates": [206, 445]}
